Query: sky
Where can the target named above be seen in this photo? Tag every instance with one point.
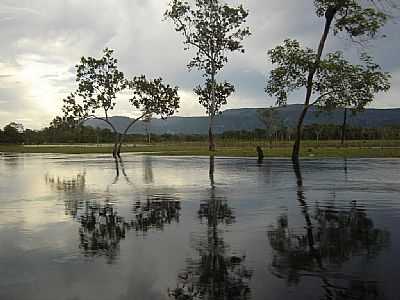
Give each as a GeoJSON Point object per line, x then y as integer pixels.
{"type": "Point", "coordinates": [43, 40]}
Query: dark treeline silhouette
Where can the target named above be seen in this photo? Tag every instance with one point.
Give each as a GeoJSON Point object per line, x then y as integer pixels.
{"type": "Point", "coordinates": [318, 132]}
{"type": "Point", "coordinates": [331, 237]}
{"type": "Point", "coordinates": [51, 135]}
{"type": "Point", "coordinates": [216, 274]}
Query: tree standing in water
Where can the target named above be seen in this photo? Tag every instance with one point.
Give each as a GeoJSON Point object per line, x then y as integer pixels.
{"type": "Point", "coordinates": [100, 81]}
{"type": "Point", "coordinates": [213, 29]}
{"type": "Point", "coordinates": [332, 80]}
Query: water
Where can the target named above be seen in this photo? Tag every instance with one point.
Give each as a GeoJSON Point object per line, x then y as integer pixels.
{"type": "Point", "coordinates": [193, 228]}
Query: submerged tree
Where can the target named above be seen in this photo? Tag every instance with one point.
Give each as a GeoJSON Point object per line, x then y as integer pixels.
{"type": "Point", "coordinates": [100, 81]}
{"type": "Point", "coordinates": [331, 80]}
{"type": "Point", "coordinates": [213, 29]}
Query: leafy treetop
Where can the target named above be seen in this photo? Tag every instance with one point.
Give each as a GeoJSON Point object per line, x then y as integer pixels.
{"type": "Point", "coordinates": [337, 82]}
{"type": "Point", "coordinates": [99, 81]}
{"type": "Point", "coordinates": [152, 96]}
{"type": "Point", "coordinates": [212, 28]}
{"type": "Point", "coordinates": [355, 17]}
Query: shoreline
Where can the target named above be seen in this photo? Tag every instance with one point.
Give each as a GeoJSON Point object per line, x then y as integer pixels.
{"type": "Point", "coordinates": [309, 150]}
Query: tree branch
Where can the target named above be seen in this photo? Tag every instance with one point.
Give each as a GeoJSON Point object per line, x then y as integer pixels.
{"type": "Point", "coordinates": [130, 125]}
{"type": "Point", "coordinates": [97, 118]}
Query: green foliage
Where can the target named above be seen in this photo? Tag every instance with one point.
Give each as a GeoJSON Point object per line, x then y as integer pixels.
{"type": "Point", "coordinates": [212, 28]}
{"type": "Point", "coordinates": [342, 84]}
{"type": "Point", "coordinates": [221, 91]}
{"type": "Point", "coordinates": [99, 81]}
{"type": "Point", "coordinates": [152, 96]}
{"type": "Point", "coordinates": [337, 82]}
{"type": "Point", "coordinates": [12, 133]}
{"type": "Point", "coordinates": [356, 18]}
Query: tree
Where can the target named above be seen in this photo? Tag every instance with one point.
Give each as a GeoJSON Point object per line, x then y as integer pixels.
{"type": "Point", "coordinates": [147, 127]}
{"type": "Point", "coordinates": [13, 133]}
{"type": "Point", "coordinates": [333, 81]}
{"type": "Point", "coordinates": [213, 29]}
{"type": "Point", "coordinates": [271, 120]}
{"type": "Point", "coordinates": [99, 82]}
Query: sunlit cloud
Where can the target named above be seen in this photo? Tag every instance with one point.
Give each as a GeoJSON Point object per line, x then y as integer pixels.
{"type": "Point", "coordinates": [42, 41]}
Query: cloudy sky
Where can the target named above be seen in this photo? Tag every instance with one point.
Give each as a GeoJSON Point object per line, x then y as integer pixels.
{"type": "Point", "coordinates": [42, 41]}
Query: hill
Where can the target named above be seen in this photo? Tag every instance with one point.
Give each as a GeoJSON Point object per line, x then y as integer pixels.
{"type": "Point", "coordinates": [246, 119]}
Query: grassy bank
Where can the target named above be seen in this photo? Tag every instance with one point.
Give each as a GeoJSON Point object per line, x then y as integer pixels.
{"type": "Point", "coordinates": [233, 149]}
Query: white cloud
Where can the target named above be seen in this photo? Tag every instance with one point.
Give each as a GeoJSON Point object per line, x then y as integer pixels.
{"type": "Point", "coordinates": [42, 40]}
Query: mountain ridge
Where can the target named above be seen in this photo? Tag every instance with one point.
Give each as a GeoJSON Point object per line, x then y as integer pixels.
{"type": "Point", "coordinates": [247, 119]}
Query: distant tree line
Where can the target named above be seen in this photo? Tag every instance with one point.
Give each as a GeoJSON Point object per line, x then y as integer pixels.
{"type": "Point", "coordinates": [59, 133]}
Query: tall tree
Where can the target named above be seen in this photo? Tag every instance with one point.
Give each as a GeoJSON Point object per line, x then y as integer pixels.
{"type": "Point", "coordinates": [332, 80]}
{"type": "Point", "coordinates": [213, 29]}
{"type": "Point", "coordinates": [99, 82]}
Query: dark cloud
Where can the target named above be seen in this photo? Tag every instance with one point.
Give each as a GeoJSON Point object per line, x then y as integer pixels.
{"type": "Point", "coordinates": [49, 37]}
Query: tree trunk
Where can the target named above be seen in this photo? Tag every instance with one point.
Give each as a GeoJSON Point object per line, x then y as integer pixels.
{"type": "Point", "coordinates": [344, 126]}
{"type": "Point", "coordinates": [329, 15]}
{"type": "Point", "coordinates": [120, 140]}
{"type": "Point", "coordinates": [211, 143]}
{"type": "Point", "coordinates": [299, 128]}
{"type": "Point", "coordinates": [116, 149]}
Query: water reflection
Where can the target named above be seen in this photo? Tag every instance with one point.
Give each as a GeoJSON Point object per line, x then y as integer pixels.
{"type": "Point", "coordinates": [216, 273]}
{"type": "Point", "coordinates": [101, 231]}
{"type": "Point", "coordinates": [101, 226]}
{"type": "Point", "coordinates": [74, 189]}
{"type": "Point", "coordinates": [331, 237]}
{"type": "Point", "coordinates": [119, 164]}
{"type": "Point", "coordinates": [148, 169]}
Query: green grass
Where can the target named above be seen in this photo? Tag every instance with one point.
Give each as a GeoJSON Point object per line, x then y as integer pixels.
{"type": "Point", "coordinates": [228, 148]}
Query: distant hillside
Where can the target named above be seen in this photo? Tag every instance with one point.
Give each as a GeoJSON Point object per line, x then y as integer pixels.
{"type": "Point", "coordinates": [246, 119]}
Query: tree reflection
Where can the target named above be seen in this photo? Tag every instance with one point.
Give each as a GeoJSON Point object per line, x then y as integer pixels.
{"type": "Point", "coordinates": [73, 188]}
{"type": "Point", "coordinates": [120, 163]}
{"type": "Point", "coordinates": [332, 237]}
{"type": "Point", "coordinates": [156, 212]}
{"type": "Point", "coordinates": [148, 169]}
{"type": "Point", "coordinates": [101, 231]}
{"type": "Point", "coordinates": [102, 227]}
{"type": "Point", "coordinates": [216, 273]}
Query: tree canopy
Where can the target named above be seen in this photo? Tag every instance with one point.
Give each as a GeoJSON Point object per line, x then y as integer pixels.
{"type": "Point", "coordinates": [337, 82]}
{"type": "Point", "coordinates": [330, 77]}
{"type": "Point", "coordinates": [213, 29]}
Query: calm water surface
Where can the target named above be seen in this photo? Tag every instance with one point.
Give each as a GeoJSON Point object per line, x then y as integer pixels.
{"type": "Point", "coordinates": [73, 227]}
